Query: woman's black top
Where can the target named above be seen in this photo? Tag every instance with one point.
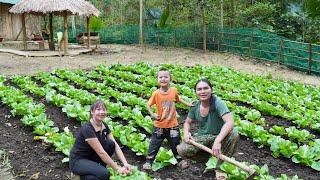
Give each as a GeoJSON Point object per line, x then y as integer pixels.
{"type": "Point", "coordinates": [82, 150]}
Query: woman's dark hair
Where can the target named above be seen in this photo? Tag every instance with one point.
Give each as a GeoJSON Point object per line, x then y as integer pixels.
{"type": "Point", "coordinates": [212, 98]}
{"type": "Point", "coordinates": [96, 105]}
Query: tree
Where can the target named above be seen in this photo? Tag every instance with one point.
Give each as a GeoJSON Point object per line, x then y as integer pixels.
{"type": "Point", "coordinates": [313, 8]}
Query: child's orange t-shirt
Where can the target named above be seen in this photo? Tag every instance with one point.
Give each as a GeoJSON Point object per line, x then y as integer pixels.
{"type": "Point", "coordinates": [166, 109]}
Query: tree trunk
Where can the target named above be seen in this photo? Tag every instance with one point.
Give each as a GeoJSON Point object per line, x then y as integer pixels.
{"type": "Point", "coordinates": [233, 13]}
{"type": "Point", "coordinates": [141, 22]}
{"type": "Point", "coordinates": [204, 33]}
{"type": "Point", "coordinates": [221, 14]}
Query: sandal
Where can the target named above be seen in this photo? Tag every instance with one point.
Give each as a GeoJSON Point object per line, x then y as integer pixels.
{"type": "Point", "coordinates": [183, 164]}
{"type": "Point", "coordinates": [221, 175]}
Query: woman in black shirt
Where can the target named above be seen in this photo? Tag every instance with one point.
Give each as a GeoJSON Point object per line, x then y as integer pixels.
{"type": "Point", "coordinates": [94, 147]}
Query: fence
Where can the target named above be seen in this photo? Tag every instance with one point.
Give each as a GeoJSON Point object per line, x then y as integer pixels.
{"type": "Point", "coordinates": [248, 42]}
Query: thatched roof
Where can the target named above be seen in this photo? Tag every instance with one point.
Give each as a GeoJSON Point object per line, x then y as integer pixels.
{"type": "Point", "coordinates": [58, 7]}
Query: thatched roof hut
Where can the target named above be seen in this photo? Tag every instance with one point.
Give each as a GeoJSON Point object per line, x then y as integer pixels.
{"type": "Point", "coordinates": [56, 7]}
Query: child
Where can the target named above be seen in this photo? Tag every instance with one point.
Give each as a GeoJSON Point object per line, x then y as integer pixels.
{"type": "Point", "coordinates": [166, 123]}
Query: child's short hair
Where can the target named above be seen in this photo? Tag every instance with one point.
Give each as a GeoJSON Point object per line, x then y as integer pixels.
{"type": "Point", "coordinates": [164, 69]}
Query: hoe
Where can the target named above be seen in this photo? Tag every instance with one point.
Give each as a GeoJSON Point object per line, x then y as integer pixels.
{"type": "Point", "coordinates": [252, 172]}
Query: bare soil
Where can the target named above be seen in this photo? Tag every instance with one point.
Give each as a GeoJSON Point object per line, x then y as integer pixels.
{"type": "Point", "coordinates": [29, 157]}
{"type": "Point", "coordinates": [125, 54]}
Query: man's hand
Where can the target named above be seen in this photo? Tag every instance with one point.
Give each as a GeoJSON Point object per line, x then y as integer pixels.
{"type": "Point", "coordinates": [216, 149]}
{"type": "Point", "coordinates": [187, 137]}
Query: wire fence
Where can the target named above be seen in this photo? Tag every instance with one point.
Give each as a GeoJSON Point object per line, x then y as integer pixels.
{"type": "Point", "coordinates": [248, 42]}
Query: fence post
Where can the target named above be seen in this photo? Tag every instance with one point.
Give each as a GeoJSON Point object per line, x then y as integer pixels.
{"type": "Point", "coordinates": [175, 38]}
{"type": "Point", "coordinates": [250, 45]}
{"type": "Point", "coordinates": [310, 58]}
{"type": "Point", "coordinates": [281, 52]}
{"type": "Point", "coordinates": [194, 38]}
{"type": "Point", "coordinates": [219, 36]}
{"type": "Point", "coordinates": [158, 37]}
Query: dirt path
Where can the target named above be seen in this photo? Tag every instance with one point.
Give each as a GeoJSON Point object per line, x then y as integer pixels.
{"type": "Point", "coordinates": [12, 64]}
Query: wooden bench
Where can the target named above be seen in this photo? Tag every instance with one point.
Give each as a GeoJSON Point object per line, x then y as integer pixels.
{"type": "Point", "coordinates": [39, 44]}
{"type": "Point", "coordinates": [82, 38]}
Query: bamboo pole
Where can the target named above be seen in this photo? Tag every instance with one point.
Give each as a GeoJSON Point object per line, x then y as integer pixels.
{"type": "Point", "coordinates": [88, 31]}
{"type": "Point", "coordinates": [65, 33]}
{"type": "Point", "coordinates": [24, 32]}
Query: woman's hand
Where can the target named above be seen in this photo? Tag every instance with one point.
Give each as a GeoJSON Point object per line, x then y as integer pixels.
{"type": "Point", "coordinates": [192, 103]}
{"type": "Point", "coordinates": [123, 171]}
{"type": "Point", "coordinates": [128, 167]}
{"type": "Point", "coordinates": [216, 149]}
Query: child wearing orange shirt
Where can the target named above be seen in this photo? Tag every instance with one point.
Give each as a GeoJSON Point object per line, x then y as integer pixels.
{"type": "Point", "coordinates": [166, 123]}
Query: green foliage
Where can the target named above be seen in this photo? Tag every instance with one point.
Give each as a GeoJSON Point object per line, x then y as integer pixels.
{"type": "Point", "coordinates": [259, 15]}
{"type": "Point", "coordinates": [313, 8]}
{"type": "Point", "coordinates": [96, 24]}
{"type": "Point", "coordinates": [164, 18]}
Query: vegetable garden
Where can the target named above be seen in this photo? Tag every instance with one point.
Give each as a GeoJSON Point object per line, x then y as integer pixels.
{"type": "Point", "coordinates": [279, 121]}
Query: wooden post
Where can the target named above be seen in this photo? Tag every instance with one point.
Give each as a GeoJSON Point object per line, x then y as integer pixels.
{"type": "Point", "coordinates": [51, 40]}
{"type": "Point", "coordinates": [158, 36]}
{"type": "Point", "coordinates": [194, 38]}
{"type": "Point", "coordinates": [88, 31]}
{"type": "Point", "coordinates": [310, 58]}
{"type": "Point", "coordinates": [281, 52]}
{"type": "Point", "coordinates": [65, 33]}
{"type": "Point", "coordinates": [23, 19]}
{"type": "Point", "coordinates": [175, 38]}
{"type": "Point", "coordinates": [219, 41]}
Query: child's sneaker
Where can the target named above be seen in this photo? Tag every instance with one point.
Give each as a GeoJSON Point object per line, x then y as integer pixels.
{"type": "Point", "coordinates": [183, 164]}
{"type": "Point", "coordinates": [179, 158]}
{"type": "Point", "coordinates": [147, 166]}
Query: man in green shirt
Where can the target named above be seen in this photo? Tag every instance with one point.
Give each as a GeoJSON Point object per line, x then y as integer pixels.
{"type": "Point", "coordinates": [215, 126]}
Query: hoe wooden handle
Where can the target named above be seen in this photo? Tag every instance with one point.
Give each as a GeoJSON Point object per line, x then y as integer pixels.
{"type": "Point", "coordinates": [225, 158]}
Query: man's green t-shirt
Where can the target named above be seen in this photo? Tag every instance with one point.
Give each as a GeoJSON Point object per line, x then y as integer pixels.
{"type": "Point", "coordinates": [213, 122]}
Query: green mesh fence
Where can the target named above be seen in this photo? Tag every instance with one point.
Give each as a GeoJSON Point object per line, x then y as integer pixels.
{"type": "Point", "coordinates": [248, 42]}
